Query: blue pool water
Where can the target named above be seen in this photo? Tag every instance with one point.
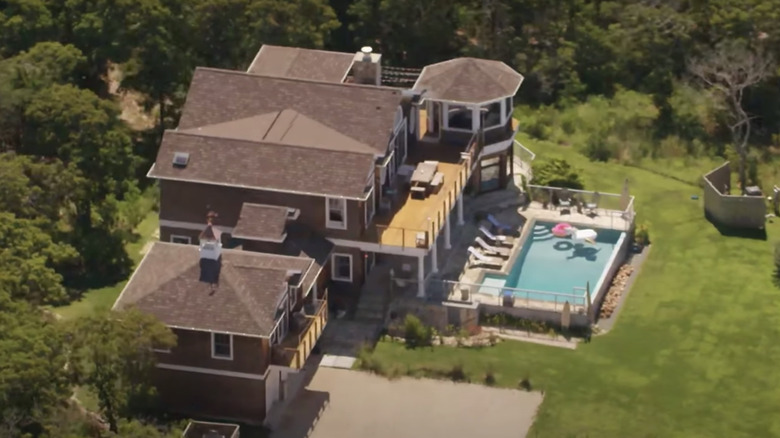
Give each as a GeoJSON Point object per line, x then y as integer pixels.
{"type": "Point", "coordinates": [551, 264]}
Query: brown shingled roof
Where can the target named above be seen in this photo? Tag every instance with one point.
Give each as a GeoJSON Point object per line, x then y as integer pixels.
{"type": "Point", "coordinates": [166, 285]}
{"type": "Point", "coordinates": [361, 112]}
{"type": "Point", "coordinates": [469, 80]}
{"type": "Point", "coordinates": [264, 165]}
{"type": "Point", "coordinates": [261, 222]}
{"type": "Point", "coordinates": [294, 62]}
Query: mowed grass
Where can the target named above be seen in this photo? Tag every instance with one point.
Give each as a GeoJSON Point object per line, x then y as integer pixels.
{"type": "Point", "coordinates": [696, 349]}
{"type": "Point", "coordinates": [98, 300]}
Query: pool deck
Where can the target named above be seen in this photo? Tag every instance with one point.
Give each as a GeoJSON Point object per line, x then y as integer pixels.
{"type": "Point", "coordinates": [518, 217]}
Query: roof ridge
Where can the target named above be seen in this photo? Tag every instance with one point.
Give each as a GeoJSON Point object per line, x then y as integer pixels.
{"type": "Point", "coordinates": [270, 143]}
{"type": "Point", "coordinates": [310, 81]}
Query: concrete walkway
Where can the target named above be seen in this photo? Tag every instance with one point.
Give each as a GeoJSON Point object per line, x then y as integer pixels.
{"type": "Point", "coordinates": [352, 404]}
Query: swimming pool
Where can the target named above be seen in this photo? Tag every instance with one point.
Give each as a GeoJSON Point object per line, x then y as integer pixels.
{"type": "Point", "coordinates": [559, 265]}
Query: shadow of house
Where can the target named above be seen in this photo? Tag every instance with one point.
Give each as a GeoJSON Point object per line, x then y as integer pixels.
{"type": "Point", "coordinates": [300, 422]}
{"type": "Point", "coordinates": [733, 215]}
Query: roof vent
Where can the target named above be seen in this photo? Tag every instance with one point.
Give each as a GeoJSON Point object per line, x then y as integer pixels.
{"type": "Point", "coordinates": [366, 51]}
{"type": "Point", "coordinates": [180, 159]}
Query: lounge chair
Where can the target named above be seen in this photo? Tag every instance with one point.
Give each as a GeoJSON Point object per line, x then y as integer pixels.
{"type": "Point", "coordinates": [564, 199]}
{"type": "Point", "coordinates": [492, 250]}
{"type": "Point", "coordinates": [501, 227]}
{"type": "Point", "coordinates": [498, 240]}
{"type": "Point", "coordinates": [593, 204]}
{"type": "Point", "coordinates": [482, 259]}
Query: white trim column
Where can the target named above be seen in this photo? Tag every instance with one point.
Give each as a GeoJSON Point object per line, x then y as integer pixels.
{"type": "Point", "coordinates": [421, 276]}
{"type": "Point", "coordinates": [435, 256]}
{"type": "Point", "coordinates": [460, 209]}
{"type": "Point", "coordinates": [447, 243]}
{"type": "Point", "coordinates": [475, 118]}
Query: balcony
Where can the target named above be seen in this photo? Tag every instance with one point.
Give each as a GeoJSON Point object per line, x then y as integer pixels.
{"type": "Point", "coordinates": [296, 347]}
{"type": "Point", "coordinates": [415, 223]}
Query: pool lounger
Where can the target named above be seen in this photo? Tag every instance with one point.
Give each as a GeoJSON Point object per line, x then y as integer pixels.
{"type": "Point", "coordinates": [482, 259]}
{"type": "Point", "coordinates": [501, 252]}
{"type": "Point", "coordinates": [497, 239]}
{"type": "Point", "coordinates": [501, 227]}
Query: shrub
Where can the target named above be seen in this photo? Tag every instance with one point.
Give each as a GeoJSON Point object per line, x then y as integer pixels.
{"type": "Point", "coordinates": [457, 373]}
{"type": "Point", "coordinates": [368, 362]}
{"type": "Point", "coordinates": [525, 383]}
{"type": "Point", "coordinates": [557, 173]}
{"type": "Point", "coordinates": [777, 259]}
{"type": "Point", "coordinates": [490, 377]}
{"type": "Point", "coordinates": [642, 234]}
{"type": "Point", "coordinates": [416, 334]}
{"type": "Point", "coordinates": [493, 339]}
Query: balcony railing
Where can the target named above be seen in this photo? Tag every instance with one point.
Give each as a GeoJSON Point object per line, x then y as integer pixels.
{"type": "Point", "coordinates": [297, 346]}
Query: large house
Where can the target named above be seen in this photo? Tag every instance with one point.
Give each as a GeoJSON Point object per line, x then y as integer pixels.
{"type": "Point", "coordinates": [278, 191]}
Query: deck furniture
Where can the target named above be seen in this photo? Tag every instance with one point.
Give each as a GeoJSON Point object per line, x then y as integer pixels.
{"type": "Point", "coordinates": [420, 241]}
{"type": "Point", "coordinates": [564, 199]}
{"type": "Point", "coordinates": [591, 206]}
{"type": "Point", "coordinates": [437, 182]}
{"type": "Point", "coordinates": [482, 259]}
{"type": "Point", "coordinates": [423, 176]}
{"type": "Point", "coordinates": [497, 239]}
{"type": "Point", "coordinates": [490, 249]}
{"type": "Point", "coordinates": [498, 225]}
{"type": "Point", "coordinates": [418, 192]}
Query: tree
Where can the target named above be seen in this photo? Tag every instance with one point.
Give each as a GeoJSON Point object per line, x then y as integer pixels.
{"type": "Point", "coordinates": [112, 355]}
{"type": "Point", "coordinates": [556, 173]}
{"type": "Point", "coordinates": [38, 189]}
{"type": "Point", "coordinates": [23, 23]}
{"type": "Point", "coordinates": [730, 70]}
{"type": "Point", "coordinates": [409, 33]}
{"type": "Point", "coordinates": [32, 365]}
{"type": "Point", "coordinates": [30, 260]}
{"type": "Point", "coordinates": [138, 429]}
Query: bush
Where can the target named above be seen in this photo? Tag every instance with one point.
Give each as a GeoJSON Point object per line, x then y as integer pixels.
{"type": "Point", "coordinates": [368, 362]}
{"type": "Point", "coordinates": [557, 173]}
{"type": "Point", "coordinates": [457, 373]}
{"type": "Point", "coordinates": [642, 234]}
{"type": "Point", "coordinates": [416, 334]}
{"type": "Point", "coordinates": [490, 377]}
{"type": "Point", "coordinates": [525, 383]}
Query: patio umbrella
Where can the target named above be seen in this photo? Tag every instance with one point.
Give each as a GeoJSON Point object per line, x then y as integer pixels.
{"type": "Point", "coordinates": [566, 316]}
{"type": "Point", "coordinates": [625, 197]}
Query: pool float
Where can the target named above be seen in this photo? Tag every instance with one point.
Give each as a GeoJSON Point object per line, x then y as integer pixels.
{"type": "Point", "coordinates": [586, 236]}
{"type": "Point", "coordinates": [563, 230]}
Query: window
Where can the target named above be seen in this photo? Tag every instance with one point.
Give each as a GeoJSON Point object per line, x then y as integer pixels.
{"type": "Point", "coordinates": [491, 115]}
{"type": "Point", "coordinates": [370, 207]}
{"type": "Point", "coordinates": [490, 176]}
{"type": "Point", "coordinates": [337, 213]}
{"type": "Point", "coordinates": [293, 213]}
{"type": "Point", "coordinates": [459, 117]}
{"type": "Point", "coordinates": [341, 267]}
{"type": "Point", "coordinates": [508, 105]}
{"type": "Point", "coordinates": [181, 239]}
{"type": "Point", "coordinates": [222, 346]}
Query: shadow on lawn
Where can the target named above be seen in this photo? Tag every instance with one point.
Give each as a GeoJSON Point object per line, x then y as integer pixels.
{"type": "Point", "coordinates": [745, 233]}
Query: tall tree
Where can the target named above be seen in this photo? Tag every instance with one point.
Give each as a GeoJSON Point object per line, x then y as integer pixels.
{"type": "Point", "coordinates": [112, 354]}
{"type": "Point", "coordinates": [29, 260]}
{"type": "Point", "coordinates": [32, 365]}
{"type": "Point", "coordinates": [730, 70]}
{"type": "Point", "coordinates": [24, 23]}
{"type": "Point", "coordinates": [410, 32]}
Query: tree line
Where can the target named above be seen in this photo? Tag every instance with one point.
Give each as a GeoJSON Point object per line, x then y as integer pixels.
{"type": "Point", "coordinates": [620, 80]}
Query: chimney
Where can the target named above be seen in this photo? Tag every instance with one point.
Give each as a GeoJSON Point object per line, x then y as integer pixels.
{"type": "Point", "coordinates": [367, 67]}
{"type": "Point", "coordinates": [210, 252]}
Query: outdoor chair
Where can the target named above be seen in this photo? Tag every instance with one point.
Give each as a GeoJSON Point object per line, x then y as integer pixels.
{"type": "Point", "coordinates": [496, 239]}
{"type": "Point", "coordinates": [591, 206]}
{"type": "Point", "coordinates": [564, 199]}
{"type": "Point", "coordinates": [482, 259]}
{"type": "Point", "coordinates": [499, 226]}
{"type": "Point", "coordinates": [492, 250]}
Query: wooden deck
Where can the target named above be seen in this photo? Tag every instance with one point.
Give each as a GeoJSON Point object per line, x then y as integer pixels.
{"type": "Point", "coordinates": [423, 123]}
{"type": "Point", "coordinates": [415, 222]}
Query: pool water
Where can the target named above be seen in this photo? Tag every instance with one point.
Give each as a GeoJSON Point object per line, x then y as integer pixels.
{"type": "Point", "coordinates": [552, 264]}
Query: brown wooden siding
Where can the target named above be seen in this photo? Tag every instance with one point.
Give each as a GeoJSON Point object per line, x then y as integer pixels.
{"type": "Point", "coordinates": [190, 202]}
{"type": "Point", "coordinates": [193, 348]}
{"type": "Point", "coordinates": [211, 396]}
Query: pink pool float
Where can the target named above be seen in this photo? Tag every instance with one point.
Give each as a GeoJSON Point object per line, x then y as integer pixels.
{"type": "Point", "coordinates": [563, 230]}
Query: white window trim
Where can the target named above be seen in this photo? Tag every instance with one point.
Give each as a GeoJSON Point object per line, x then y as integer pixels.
{"type": "Point", "coordinates": [293, 213]}
{"type": "Point", "coordinates": [446, 116]}
{"type": "Point", "coordinates": [214, 356]}
{"type": "Point", "coordinates": [370, 205]}
{"type": "Point", "coordinates": [334, 265]}
{"type": "Point", "coordinates": [501, 120]}
{"type": "Point", "coordinates": [179, 236]}
{"type": "Point", "coordinates": [162, 350]}
{"type": "Point", "coordinates": [332, 224]}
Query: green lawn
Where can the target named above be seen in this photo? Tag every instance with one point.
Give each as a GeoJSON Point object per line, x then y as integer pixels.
{"type": "Point", "coordinates": [102, 299]}
{"type": "Point", "coordinates": [695, 352]}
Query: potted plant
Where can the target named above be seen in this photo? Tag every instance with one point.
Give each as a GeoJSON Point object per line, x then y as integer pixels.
{"type": "Point", "coordinates": [464, 293]}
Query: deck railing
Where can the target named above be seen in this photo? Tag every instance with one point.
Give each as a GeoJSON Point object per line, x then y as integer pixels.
{"type": "Point", "coordinates": [619, 208]}
{"type": "Point", "coordinates": [304, 341]}
{"type": "Point", "coordinates": [467, 293]}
